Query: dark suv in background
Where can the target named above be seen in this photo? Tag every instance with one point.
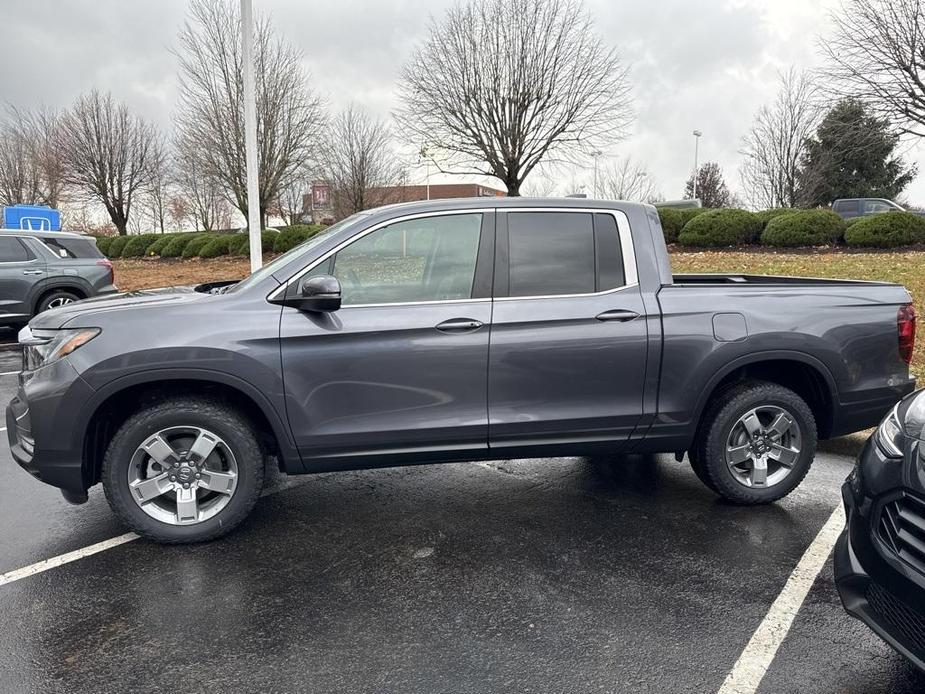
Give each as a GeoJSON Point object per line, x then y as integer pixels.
{"type": "Point", "coordinates": [46, 269]}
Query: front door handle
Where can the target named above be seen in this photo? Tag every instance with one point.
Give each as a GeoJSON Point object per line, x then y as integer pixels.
{"type": "Point", "coordinates": [459, 325]}
{"type": "Point", "coordinates": [618, 314]}
{"type": "Point", "coordinates": [33, 272]}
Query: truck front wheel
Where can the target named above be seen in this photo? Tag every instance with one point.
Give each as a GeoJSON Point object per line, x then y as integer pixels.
{"type": "Point", "coordinates": [185, 470]}
{"type": "Point", "coordinates": [755, 443]}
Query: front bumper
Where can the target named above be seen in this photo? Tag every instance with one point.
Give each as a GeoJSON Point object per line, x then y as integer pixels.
{"type": "Point", "coordinates": [41, 425]}
{"type": "Point", "coordinates": [875, 585]}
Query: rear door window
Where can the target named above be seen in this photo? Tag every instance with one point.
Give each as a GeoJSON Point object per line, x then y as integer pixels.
{"type": "Point", "coordinates": [12, 250]}
{"type": "Point", "coordinates": [845, 206]}
{"type": "Point", "coordinates": [73, 248]}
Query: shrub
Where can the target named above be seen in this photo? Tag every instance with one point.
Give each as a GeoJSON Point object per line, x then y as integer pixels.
{"type": "Point", "coordinates": [804, 228]}
{"type": "Point", "coordinates": [103, 243]}
{"type": "Point", "coordinates": [722, 227]}
{"type": "Point", "coordinates": [116, 246]}
{"type": "Point", "coordinates": [688, 213]}
{"type": "Point", "coordinates": [853, 220]}
{"type": "Point", "coordinates": [887, 230]}
{"type": "Point", "coordinates": [291, 236]}
{"type": "Point", "coordinates": [671, 223]}
{"type": "Point", "coordinates": [195, 245]}
{"type": "Point", "coordinates": [157, 248]}
{"type": "Point", "coordinates": [766, 216]}
{"type": "Point", "coordinates": [176, 245]}
{"type": "Point", "coordinates": [239, 245]}
{"type": "Point", "coordinates": [137, 246]}
{"type": "Point", "coordinates": [217, 245]}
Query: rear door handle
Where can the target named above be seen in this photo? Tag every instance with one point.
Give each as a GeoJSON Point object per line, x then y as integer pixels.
{"type": "Point", "coordinates": [459, 325]}
{"type": "Point", "coordinates": [620, 315]}
{"type": "Point", "coordinates": [33, 272]}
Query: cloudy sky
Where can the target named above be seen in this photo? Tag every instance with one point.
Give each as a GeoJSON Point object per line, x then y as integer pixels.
{"type": "Point", "coordinates": [704, 64]}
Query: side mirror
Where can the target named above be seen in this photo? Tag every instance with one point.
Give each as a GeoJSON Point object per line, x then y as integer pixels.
{"type": "Point", "coordinates": [320, 293]}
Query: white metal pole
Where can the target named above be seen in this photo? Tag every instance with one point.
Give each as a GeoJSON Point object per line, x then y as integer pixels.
{"type": "Point", "coordinates": [697, 134]}
{"type": "Point", "coordinates": [250, 135]}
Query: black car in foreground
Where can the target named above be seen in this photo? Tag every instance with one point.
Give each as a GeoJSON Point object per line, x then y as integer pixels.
{"type": "Point", "coordinates": [880, 557]}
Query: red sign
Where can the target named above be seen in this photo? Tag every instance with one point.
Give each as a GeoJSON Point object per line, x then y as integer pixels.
{"type": "Point", "coordinates": [321, 196]}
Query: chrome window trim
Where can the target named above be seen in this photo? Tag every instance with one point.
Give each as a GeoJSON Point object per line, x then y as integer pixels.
{"type": "Point", "coordinates": [284, 287]}
{"type": "Point", "coordinates": [630, 271]}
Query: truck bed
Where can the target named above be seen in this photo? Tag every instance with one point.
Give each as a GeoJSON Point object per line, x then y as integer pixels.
{"type": "Point", "coordinates": [723, 278]}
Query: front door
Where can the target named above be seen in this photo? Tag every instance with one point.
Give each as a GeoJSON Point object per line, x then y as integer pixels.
{"type": "Point", "coordinates": [569, 338]}
{"type": "Point", "coordinates": [400, 371]}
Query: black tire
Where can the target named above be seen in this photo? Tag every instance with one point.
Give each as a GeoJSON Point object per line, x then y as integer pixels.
{"type": "Point", "coordinates": [723, 412]}
{"type": "Point", "coordinates": [236, 432]}
{"type": "Point", "coordinates": [57, 295]}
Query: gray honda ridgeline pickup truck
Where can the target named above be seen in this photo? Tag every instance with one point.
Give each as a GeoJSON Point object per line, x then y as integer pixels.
{"type": "Point", "coordinates": [451, 330]}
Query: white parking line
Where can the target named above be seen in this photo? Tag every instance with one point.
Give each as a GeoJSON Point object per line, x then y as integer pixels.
{"type": "Point", "coordinates": [45, 565]}
{"type": "Point", "coordinates": [754, 661]}
{"type": "Point", "coordinates": [10, 373]}
{"type": "Point", "coordinates": [67, 558]}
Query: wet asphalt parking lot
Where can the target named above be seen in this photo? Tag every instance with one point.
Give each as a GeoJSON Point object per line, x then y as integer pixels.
{"type": "Point", "coordinates": [556, 575]}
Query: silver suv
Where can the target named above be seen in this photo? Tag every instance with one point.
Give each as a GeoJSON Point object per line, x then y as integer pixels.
{"type": "Point", "coordinates": [44, 269]}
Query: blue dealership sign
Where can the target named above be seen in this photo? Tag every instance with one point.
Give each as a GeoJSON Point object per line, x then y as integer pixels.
{"type": "Point", "coordinates": [31, 217]}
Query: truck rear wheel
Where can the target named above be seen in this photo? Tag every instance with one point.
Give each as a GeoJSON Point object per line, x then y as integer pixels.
{"type": "Point", "coordinates": [755, 444]}
{"type": "Point", "coordinates": [185, 470]}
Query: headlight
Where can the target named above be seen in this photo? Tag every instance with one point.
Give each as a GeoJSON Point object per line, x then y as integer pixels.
{"type": "Point", "coordinates": [889, 435]}
{"type": "Point", "coordinates": [44, 347]}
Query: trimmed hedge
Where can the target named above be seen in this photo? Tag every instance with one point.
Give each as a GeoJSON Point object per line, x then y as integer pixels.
{"type": "Point", "coordinates": [137, 246]}
{"type": "Point", "coordinates": [291, 236]}
{"type": "Point", "coordinates": [240, 243]}
{"type": "Point", "coordinates": [766, 216]}
{"type": "Point", "coordinates": [723, 227]}
{"type": "Point", "coordinates": [176, 245]}
{"type": "Point", "coordinates": [688, 213]}
{"type": "Point", "coordinates": [804, 228]}
{"type": "Point", "coordinates": [116, 246]}
{"type": "Point", "coordinates": [216, 245]}
{"type": "Point", "coordinates": [103, 243]}
{"type": "Point", "coordinates": [887, 230]}
{"type": "Point", "coordinates": [158, 246]}
{"type": "Point", "coordinates": [672, 223]}
{"type": "Point", "coordinates": [192, 248]}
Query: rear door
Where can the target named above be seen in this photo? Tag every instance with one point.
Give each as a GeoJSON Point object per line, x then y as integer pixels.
{"type": "Point", "coordinates": [21, 272]}
{"type": "Point", "coordinates": [569, 340]}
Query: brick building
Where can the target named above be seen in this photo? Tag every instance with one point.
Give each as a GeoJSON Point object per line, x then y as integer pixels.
{"type": "Point", "coordinates": [318, 205]}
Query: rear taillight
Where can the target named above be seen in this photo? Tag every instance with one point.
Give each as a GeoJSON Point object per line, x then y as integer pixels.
{"type": "Point", "coordinates": [106, 262]}
{"type": "Point", "coordinates": [905, 324]}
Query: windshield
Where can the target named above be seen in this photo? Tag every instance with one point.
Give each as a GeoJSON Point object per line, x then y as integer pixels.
{"type": "Point", "coordinates": [286, 257]}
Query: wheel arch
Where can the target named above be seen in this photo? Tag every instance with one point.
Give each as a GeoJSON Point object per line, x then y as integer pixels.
{"type": "Point", "coordinates": [68, 285]}
{"type": "Point", "coordinates": [802, 373]}
{"type": "Point", "coordinates": [114, 403]}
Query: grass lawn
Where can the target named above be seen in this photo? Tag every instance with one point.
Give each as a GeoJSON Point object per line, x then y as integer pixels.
{"type": "Point", "coordinates": [907, 268]}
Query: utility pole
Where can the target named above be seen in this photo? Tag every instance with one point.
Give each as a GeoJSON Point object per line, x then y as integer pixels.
{"type": "Point", "coordinates": [595, 154]}
{"type": "Point", "coordinates": [250, 135]}
{"type": "Point", "coordinates": [697, 135]}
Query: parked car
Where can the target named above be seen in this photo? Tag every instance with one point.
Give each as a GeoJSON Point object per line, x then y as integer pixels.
{"type": "Point", "coordinates": [451, 330]}
{"type": "Point", "coordinates": [880, 556]}
{"type": "Point", "coordinates": [849, 208]}
{"type": "Point", "coordinates": [40, 270]}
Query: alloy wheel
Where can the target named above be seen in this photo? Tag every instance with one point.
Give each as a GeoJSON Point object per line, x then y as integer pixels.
{"type": "Point", "coordinates": [763, 446]}
{"type": "Point", "coordinates": [183, 475]}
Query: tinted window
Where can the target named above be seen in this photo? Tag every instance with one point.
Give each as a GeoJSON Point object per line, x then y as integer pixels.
{"type": "Point", "coordinates": [608, 253]}
{"type": "Point", "coordinates": [845, 206]}
{"type": "Point", "coordinates": [426, 259]}
{"type": "Point", "coordinates": [873, 206]}
{"type": "Point", "coordinates": [12, 250]}
{"type": "Point", "coordinates": [72, 248]}
{"type": "Point", "coordinates": [551, 253]}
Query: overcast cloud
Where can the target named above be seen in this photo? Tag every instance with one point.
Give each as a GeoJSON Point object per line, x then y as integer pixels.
{"type": "Point", "coordinates": [704, 65]}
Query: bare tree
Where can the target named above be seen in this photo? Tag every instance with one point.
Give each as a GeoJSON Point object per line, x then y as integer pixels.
{"type": "Point", "coordinates": [877, 53]}
{"type": "Point", "coordinates": [201, 192]}
{"type": "Point", "coordinates": [158, 194]}
{"type": "Point", "coordinates": [109, 154]}
{"type": "Point", "coordinates": [358, 161]}
{"type": "Point", "coordinates": [625, 179]}
{"type": "Point", "coordinates": [210, 111]}
{"type": "Point", "coordinates": [501, 85]}
{"type": "Point", "coordinates": [31, 170]}
{"type": "Point", "coordinates": [290, 202]}
{"type": "Point", "coordinates": [776, 141]}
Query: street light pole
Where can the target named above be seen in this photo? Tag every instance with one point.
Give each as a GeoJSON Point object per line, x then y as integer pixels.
{"type": "Point", "coordinates": [595, 154]}
{"type": "Point", "coordinates": [697, 135]}
{"type": "Point", "coordinates": [250, 135]}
